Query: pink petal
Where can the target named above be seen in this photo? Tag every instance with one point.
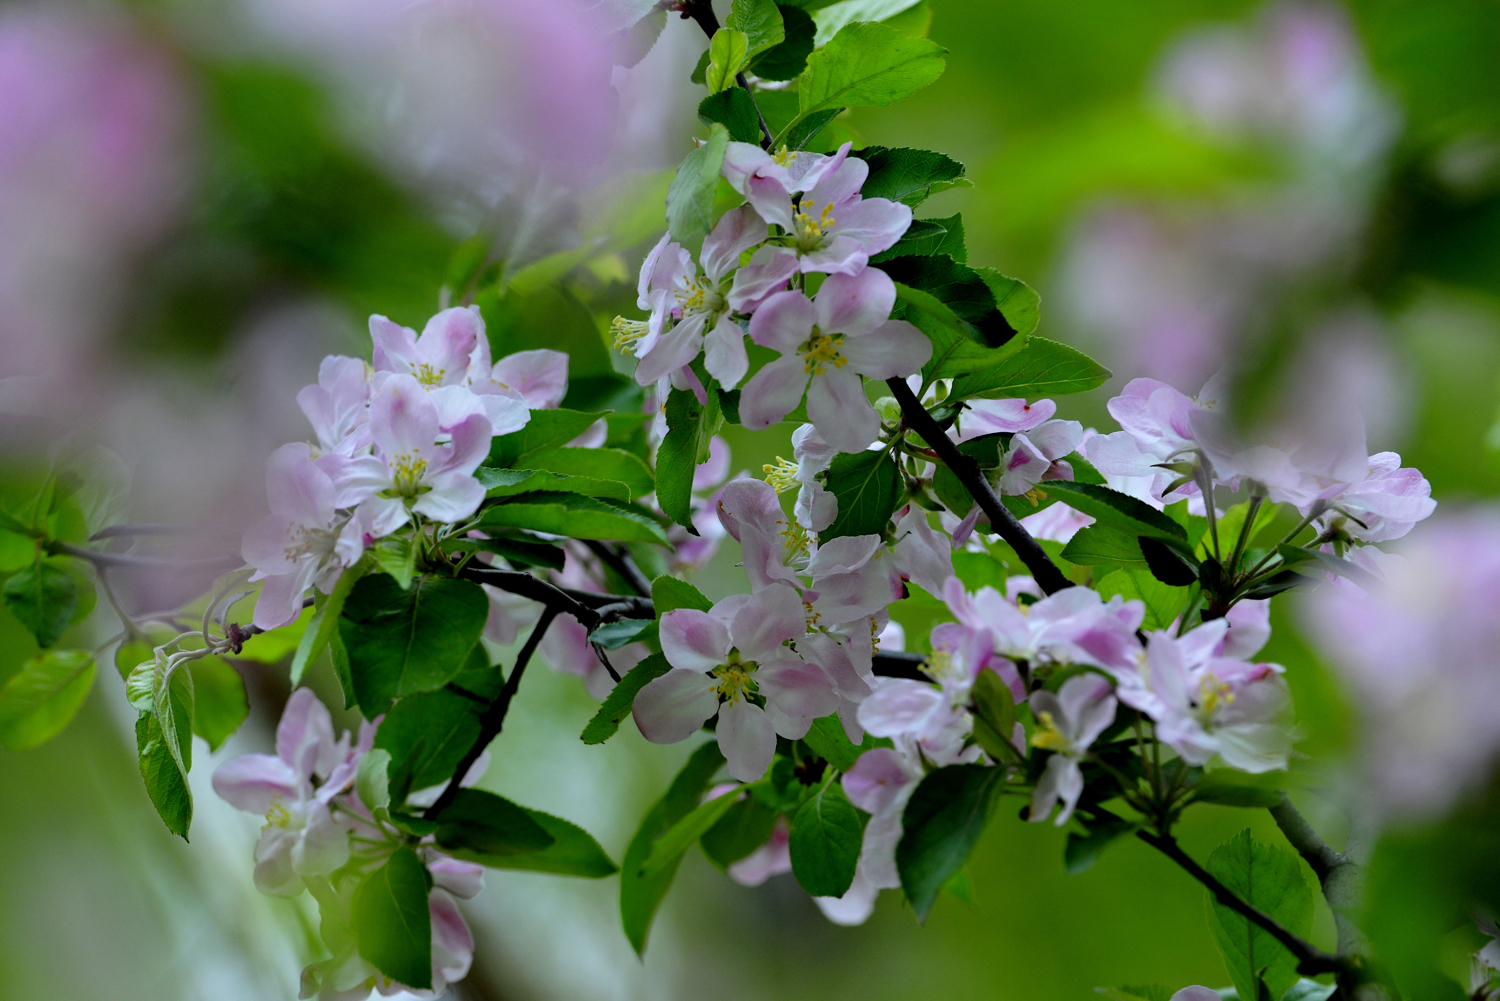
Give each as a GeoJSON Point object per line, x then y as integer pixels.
{"type": "Point", "coordinates": [253, 782]}
{"type": "Point", "coordinates": [773, 615]}
{"type": "Point", "coordinates": [540, 376]}
{"type": "Point", "coordinates": [877, 781]}
{"type": "Point", "coordinates": [876, 223]}
{"type": "Point", "coordinates": [767, 273]}
{"type": "Point", "coordinates": [304, 737]}
{"type": "Point", "coordinates": [799, 690]}
{"type": "Point", "coordinates": [403, 421]}
{"type": "Point", "coordinates": [899, 707]}
{"type": "Point", "coordinates": [395, 345]}
{"type": "Point", "coordinates": [855, 304]}
{"type": "Point", "coordinates": [774, 392]}
{"type": "Point", "coordinates": [893, 349]}
{"type": "Point", "coordinates": [746, 737]}
{"type": "Point", "coordinates": [724, 353]}
{"type": "Point", "coordinates": [462, 879]}
{"type": "Point", "coordinates": [736, 232]}
{"type": "Point", "coordinates": [676, 348]}
{"type": "Point", "coordinates": [675, 706]}
{"type": "Point", "coordinates": [693, 640]}
{"type": "Point", "coordinates": [837, 405]}
{"type": "Point", "coordinates": [783, 322]}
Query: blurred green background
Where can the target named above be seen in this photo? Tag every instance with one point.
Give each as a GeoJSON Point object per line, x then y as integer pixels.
{"type": "Point", "coordinates": [1068, 120]}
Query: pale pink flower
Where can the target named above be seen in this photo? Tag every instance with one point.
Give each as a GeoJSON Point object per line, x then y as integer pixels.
{"type": "Point", "coordinates": [338, 407]}
{"type": "Point", "coordinates": [751, 513]}
{"type": "Point", "coordinates": [1068, 723]}
{"type": "Point", "coordinates": [826, 345]}
{"type": "Point", "coordinates": [853, 577]}
{"type": "Point", "coordinates": [1034, 456]}
{"type": "Point", "coordinates": [1073, 626]}
{"type": "Point", "coordinates": [923, 555]}
{"type": "Point", "coordinates": [982, 417]}
{"type": "Point", "coordinates": [539, 376]}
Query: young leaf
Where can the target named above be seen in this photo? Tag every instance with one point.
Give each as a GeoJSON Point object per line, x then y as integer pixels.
{"type": "Point", "coordinates": [828, 741]}
{"type": "Point", "coordinates": [942, 822]}
{"type": "Point", "coordinates": [994, 717]}
{"type": "Point", "coordinates": [397, 556]}
{"type": "Point", "coordinates": [1270, 879]}
{"type": "Point", "coordinates": [742, 829]}
{"type": "Point", "coordinates": [600, 463]}
{"type": "Point", "coordinates": [220, 704]}
{"type": "Point", "coordinates": [546, 430]}
{"type": "Point", "coordinates": [868, 487]}
{"type": "Point", "coordinates": [827, 832]}
{"type": "Point", "coordinates": [480, 823]}
{"type": "Point", "coordinates": [1041, 368]}
{"type": "Point", "coordinates": [1117, 510]}
{"type": "Point", "coordinates": [957, 346]}
{"type": "Point", "coordinates": [1102, 546]}
{"type": "Point", "coordinates": [787, 60]}
{"type": "Point", "coordinates": [908, 175]}
{"type": "Point", "coordinates": [325, 622]}
{"type": "Point", "coordinates": [690, 427]}
{"type": "Point", "coordinates": [43, 697]}
{"type": "Point", "coordinates": [43, 597]}
{"type": "Point", "coordinates": [372, 782]}
{"type": "Point", "coordinates": [674, 843]}
{"type": "Point", "coordinates": [1017, 301]}
{"type": "Point", "coordinates": [391, 921]}
{"type": "Point", "coordinates": [641, 894]}
{"type": "Point", "coordinates": [690, 199]}
{"type": "Point", "coordinates": [867, 63]}
{"type": "Point", "coordinates": [761, 22]}
{"type": "Point", "coordinates": [502, 483]}
{"type": "Point", "coordinates": [728, 52]}
{"type": "Point", "coordinates": [573, 852]}
{"type": "Point", "coordinates": [429, 734]}
{"type": "Point", "coordinates": [620, 700]}
{"type": "Point", "coordinates": [165, 783]}
{"type": "Point", "coordinates": [575, 516]}
{"type": "Point", "coordinates": [668, 593]}
{"type": "Point", "coordinates": [834, 16]}
{"type": "Point", "coordinates": [404, 642]}
{"type": "Point", "coordinates": [735, 110]}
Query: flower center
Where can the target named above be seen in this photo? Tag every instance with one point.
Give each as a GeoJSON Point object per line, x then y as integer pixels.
{"type": "Point", "coordinates": [795, 541]}
{"type": "Point", "coordinates": [628, 332]}
{"type": "Point", "coordinates": [822, 350]}
{"type": "Point", "coordinates": [782, 476]}
{"type": "Point", "coordinates": [1047, 736]}
{"type": "Point", "coordinates": [278, 815]}
{"type": "Point", "coordinates": [305, 542]}
{"type": "Point", "coordinates": [429, 376]}
{"type": "Point", "coordinates": [813, 616]}
{"type": "Point", "coordinates": [1212, 694]}
{"type": "Point", "coordinates": [735, 678]}
{"type": "Point", "coordinates": [701, 296]}
{"type": "Point", "coordinates": [783, 156]}
{"type": "Point", "coordinates": [407, 473]}
{"type": "Point", "coordinates": [811, 232]}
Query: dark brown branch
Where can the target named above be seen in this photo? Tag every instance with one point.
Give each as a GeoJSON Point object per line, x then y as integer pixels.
{"type": "Point", "coordinates": [916, 417]}
{"type": "Point", "coordinates": [556, 599]}
{"type": "Point", "coordinates": [1311, 960]}
{"type": "Point", "coordinates": [493, 718]}
{"type": "Point", "coordinates": [618, 560]}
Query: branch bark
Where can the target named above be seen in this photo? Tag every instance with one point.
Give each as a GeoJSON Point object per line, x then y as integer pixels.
{"type": "Point", "coordinates": [1048, 577]}
{"type": "Point", "coordinates": [618, 560]}
{"type": "Point", "coordinates": [1341, 875]}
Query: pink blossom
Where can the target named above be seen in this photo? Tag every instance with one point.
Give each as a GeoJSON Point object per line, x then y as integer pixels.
{"type": "Point", "coordinates": [853, 577]}
{"type": "Point", "coordinates": [981, 417]}
{"type": "Point", "coordinates": [1068, 723]}
{"type": "Point", "coordinates": [1073, 626]}
{"type": "Point", "coordinates": [923, 555]}
{"type": "Point", "coordinates": [1389, 501]}
{"type": "Point", "coordinates": [1035, 455]}
{"type": "Point", "coordinates": [826, 344]}
{"type": "Point", "coordinates": [771, 859]}
{"type": "Point", "coordinates": [830, 228]}
{"type": "Point", "coordinates": [816, 506]}
{"type": "Point", "coordinates": [338, 407]}
{"type": "Point", "coordinates": [1157, 429]}
{"type": "Point", "coordinates": [540, 377]}
{"type": "Point", "coordinates": [751, 513]}
{"type": "Point", "coordinates": [735, 650]}
{"type": "Point", "coordinates": [301, 836]}
{"type": "Point", "coordinates": [304, 541]}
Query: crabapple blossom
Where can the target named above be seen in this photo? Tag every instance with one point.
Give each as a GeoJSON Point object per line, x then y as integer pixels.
{"type": "Point", "coordinates": [1073, 626]}
{"type": "Point", "coordinates": [1036, 455]}
{"type": "Point", "coordinates": [1157, 423]}
{"type": "Point", "coordinates": [1068, 723]}
{"type": "Point", "coordinates": [923, 555]}
{"type": "Point", "coordinates": [981, 417]}
{"type": "Point", "coordinates": [1205, 704]}
{"type": "Point", "coordinates": [733, 651]}
{"type": "Point", "coordinates": [830, 228]}
{"type": "Point", "coordinates": [816, 506]}
{"type": "Point", "coordinates": [1381, 507]}
{"type": "Point", "coordinates": [293, 789]}
{"type": "Point", "coordinates": [540, 377]}
{"type": "Point", "coordinates": [338, 407]}
{"type": "Point", "coordinates": [826, 344]}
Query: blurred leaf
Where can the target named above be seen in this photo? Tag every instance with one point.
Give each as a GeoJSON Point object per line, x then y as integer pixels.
{"type": "Point", "coordinates": [908, 175]}
{"type": "Point", "coordinates": [573, 852]}
{"type": "Point", "coordinates": [42, 597]}
{"type": "Point", "coordinates": [942, 822]}
{"type": "Point", "coordinates": [16, 551]}
{"type": "Point", "coordinates": [1148, 992]}
{"type": "Point", "coordinates": [787, 60]}
{"type": "Point", "coordinates": [401, 642]}
{"type": "Point", "coordinates": [690, 428]}
{"type": "Point", "coordinates": [866, 64]}
{"type": "Point", "coordinates": [728, 52]}
{"type": "Point", "coordinates": [1083, 850]}
{"type": "Point", "coordinates": [994, 717]}
{"type": "Point", "coordinates": [131, 653]}
{"type": "Point", "coordinates": [621, 698]}
{"type": "Point", "coordinates": [535, 312]}
{"type": "Point", "coordinates": [827, 832]}
{"type": "Point", "coordinates": [690, 199]}
{"type": "Point", "coordinates": [429, 734]}
{"type": "Point", "coordinates": [391, 920]}
{"type": "Point", "coordinates": [739, 832]}
{"type": "Point", "coordinates": [575, 516]}
{"type": "Point", "coordinates": [668, 849]}
{"type": "Point", "coordinates": [43, 697]}
{"type": "Point", "coordinates": [220, 704]}
{"type": "Point", "coordinates": [480, 824]}
{"type": "Point", "coordinates": [868, 487]}
{"type": "Point", "coordinates": [641, 894]}
{"type": "Point", "coordinates": [831, 18]}
{"type": "Point", "coordinates": [372, 782]}
{"type": "Point", "coordinates": [1270, 879]}
{"type": "Point", "coordinates": [547, 429]}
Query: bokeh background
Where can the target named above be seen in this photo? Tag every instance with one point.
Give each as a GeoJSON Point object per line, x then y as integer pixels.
{"type": "Point", "coordinates": [199, 198]}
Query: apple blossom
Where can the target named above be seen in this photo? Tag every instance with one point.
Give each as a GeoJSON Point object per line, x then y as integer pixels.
{"type": "Point", "coordinates": [1073, 626]}
{"type": "Point", "coordinates": [1068, 723]}
{"type": "Point", "coordinates": [816, 507]}
{"type": "Point", "coordinates": [338, 407]}
{"type": "Point", "coordinates": [1036, 455]}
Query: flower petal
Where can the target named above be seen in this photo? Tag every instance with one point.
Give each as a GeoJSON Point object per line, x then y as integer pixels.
{"type": "Point", "coordinates": [895, 348]}
{"type": "Point", "coordinates": [675, 706]}
{"type": "Point", "coordinates": [746, 738]}
{"type": "Point", "coordinates": [774, 392]}
{"type": "Point", "coordinates": [693, 640]}
{"type": "Point", "coordinates": [836, 404]}
{"type": "Point", "coordinates": [783, 322]}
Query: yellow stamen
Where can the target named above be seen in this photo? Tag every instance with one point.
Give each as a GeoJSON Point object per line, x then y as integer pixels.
{"type": "Point", "coordinates": [813, 618]}
{"type": "Point", "coordinates": [783, 156]}
{"type": "Point", "coordinates": [408, 470]}
{"type": "Point", "coordinates": [627, 332]}
{"type": "Point", "coordinates": [1212, 693]}
{"type": "Point", "coordinates": [822, 350]}
{"type": "Point", "coordinates": [429, 376]}
{"type": "Point", "coordinates": [810, 232]}
{"type": "Point", "coordinates": [782, 475]}
{"type": "Point", "coordinates": [734, 677]}
{"type": "Point", "coordinates": [1047, 736]}
{"type": "Point", "coordinates": [278, 815]}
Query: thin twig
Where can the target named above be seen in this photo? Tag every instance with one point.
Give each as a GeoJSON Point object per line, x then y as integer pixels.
{"type": "Point", "coordinates": [493, 718]}
{"type": "Point", "coordinates": [1340, 875]}
{"type": "Point", "coordinates": [132, 560]}
{"type": "Point", "coordinates": [1048, 577]}
{"type": "Point", "coordinates": [1311, 960]}
{"type": "Point", "coordinates": [618, 560]}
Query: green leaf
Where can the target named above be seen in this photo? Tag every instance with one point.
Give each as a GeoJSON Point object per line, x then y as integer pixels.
{"type": "Point", "coordinates": [1164, 603]}
{"type": "Point", "coordinates": [994, 717]}
{"type": "Point", "coordinates": [325, 622]}
{"type": "Point", "coordinates": [735, 110]}
{"type": "Point", "coordinates": [868, 487]}
{"type": "Point", "coordinates": [831, 18]}
{"type": "Point", "coordinates": [575, 516]}
{"type": "Point", "coordinates": [16, 551]}
{"type": "Point", "coordinates": [1102, 546]}
{"type": "Point", "coordinates": [961, 288]}
{"type": "Point", "coordinates": [600, 463]}
{"type": "Point", "coordinates": [165, 783]}
{"type": "Point", "coordinates": [640, 894]}
{"type": "Point", "coordinates": [519, 549]}
{"type": "Point", "coordinates": [669, 848]}
{"type": "Point", "coordinates": [404, 642]}
{"type": "Point", "coordinates": [908, 175]}
{"type": "Point", "coordinates": [131, 653]}
{"type": "Point", "coordinates": [828, 741]}
{"type": "Point", "coordinates": [43, 697]}
{"type": "Point", "coordinates": [742, 829]}
{"type": "Point", "coordinates": [547, 429]}
{"type": "Point", "coordinates": [502, 483]}
{"type": "Point", "coordinates": [668, 593]}
{"type": "Point", "coordinates": [1117, 510]}
{"type": "Point", "coordinates": [42, 597]}
{"type": "Point", "coordinates": [928, 237]}
{"type": "Point", "coordinates": [1147, 992]}
{"type": "Point", "coordinates": [429, 734]}
{"type": "Point", "coordinates": [1017, 301]}
{"type": "Point", "coordinates": [1083, 850]}
{"type": "Point", "coordinates": [1169, 565]}
{"type": "Point", "coordinates": [480, 823]}
{"type": "Point", "coordinates": [1226, 787]}
{"type": "Point", "coordinates": [690, 199]}
{"type": "Point", "coordinates": [957, 346]}
{"type": "Point", "coordinates": [787, 60]}
{"type": "Point", "coordinates": [1309, 990]}
{"type": "Point", "coordinates": [391, 921]}
{"type": "Point", "coordinates": [613, 635]}
{"type": "Point", "coordinates": [761, 22]}
{"type": "Point", "coordinates": [827, 832]}
{"type": "Point", "coordinates": [1270, 879]}
{"type": "Point", "coordinates": [866, 64]}
{"type": "Point", "coordinates": [220, 704]}
{"type": "Point", "coordinates": [728, 52]}
{"type": "Point", "coordinates": [573, 852]}
{"type": "Point", "coordinates": [372, 782]}
{"type": "Point", "coordinates": [690, 428]}
{"type": "Point", "coordinates": [1041, 368]}
{"type": "Point", "coordinates": [620, 700]}
{"type": "Point", "coordinates": [942, 822]}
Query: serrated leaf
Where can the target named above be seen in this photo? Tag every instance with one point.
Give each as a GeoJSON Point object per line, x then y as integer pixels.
{"type": "Point", "coordinates": [429, 734]}
{"type": "Point", "coordinates": [42, 697]}
{"type": "Point", "coordinates": [502, 483]}
{"type": "Point", "coordinates": [728, 52]}
{"type": "Point", "coordinates": [220, 704]}
{"type": "Point", "coordinates": [868, 487]}
{"type": "Point", "coordinates": [573, 852]}
{"type": "Point", "coordinates": [43, 598]}
{"type": "Point", "coordinates": [690, 198]}
{"type": "Point", "coordinates": [1041, 368]}
{"type": "Point", "coordinates": [787, 60]}
{"type": "Point", "coordinates": [957, 346]}
{"type": "Point", "coordinates": [866, 64]}
{"type": "Point", "coordinates": [942, 822]}
{"type": "Point", "coordinates": [479, 823]}
{"type": "Point", "coordinates": [907, 175]}
{"type": "Point", "coordinates": [761, 22]}
{"type": "Point", "coordinates": [574, 516]}
{"type": "Point", "coordinates": [1270, 879]}
{"type": "Point", "coordinates": [1102, 546]}
{"type": "Point", "coordinates": [600, 463]}
{"type": "Point", "coordinates": [834, 16]}
{"type": "Point", "coordinates": [613, 635]}
{"type": "Point", "coordinates": [391, 920]}
{"type": "Point", "coordinates": [929, 237]}
{"type": "Point", "coordinates": [827, 832]}
{"type": "Point", "coordinates": [519, 549]}
{"type": "Point", "coordinates": [735, 110]}
{"type": "Point", "coordinates": [994, 717]}
{"type": "Point", "coordinates": [165, 783]}
{"type": "Point", "coordinates": [690, 428]}
{"type": "Point", "coordinates": [1018, 302]}
{"type": "Point", "coordinates": [1117, 510]}
{"type": "Point", "coordinates": [668, 593]}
